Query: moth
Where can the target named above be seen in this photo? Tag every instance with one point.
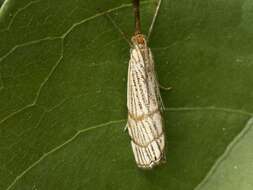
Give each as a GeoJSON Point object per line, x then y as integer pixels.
{"type": "Point", "coordinates": [144, 103]}
{"type": "Point", "coordinates": [145, 122]}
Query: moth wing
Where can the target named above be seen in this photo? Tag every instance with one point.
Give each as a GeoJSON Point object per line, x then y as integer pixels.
{"type": "Point", "coordinates": [138, 95]}
{"type": "Point", "coordinates": [147, 140]}
{"type": "Point", "coordinates": [157, 89]}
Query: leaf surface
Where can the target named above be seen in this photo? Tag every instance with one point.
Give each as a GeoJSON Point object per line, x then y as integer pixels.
{"type": "Point", "coordinates": [63, 72]}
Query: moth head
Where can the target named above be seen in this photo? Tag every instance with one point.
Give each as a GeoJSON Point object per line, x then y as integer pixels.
{"type": "Point", "coordinates": [139, 40]}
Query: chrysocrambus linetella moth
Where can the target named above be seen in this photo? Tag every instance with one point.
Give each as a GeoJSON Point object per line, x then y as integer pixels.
{"type": "Point", "coordinates": [144, 103]}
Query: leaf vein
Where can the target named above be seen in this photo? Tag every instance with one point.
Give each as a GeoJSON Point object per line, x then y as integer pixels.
{"type": "Point", "coordinates": [229, 148]}
{"type": "Point", "coordinates": [17, 12]}
{"type": "Point", "coordinates": [45, 155]}
{"type": "Point", "coordinates": [68, 31]}
{"type": "Point", "coordinates": [62, 36]}
{"type": "Point", "coordinates": [209, 108]}
{"type": "Point", "coordinates": [37, 93]}
{"type": "Point", "coordinates": [49, 75]}
{"type": "Point", "coordinates": [171, 109]}
{"type": "Point", "coordinates": [27, 44]}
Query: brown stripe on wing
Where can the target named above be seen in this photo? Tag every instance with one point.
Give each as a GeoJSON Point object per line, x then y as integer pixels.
{"type": "Point", "coordinates": [143, 116]}
{"type": "Point", "coordinates": [148, 142]}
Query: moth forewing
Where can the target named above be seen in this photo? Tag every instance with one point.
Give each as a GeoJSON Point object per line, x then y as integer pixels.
{"type": "Point", "coordinates": [145, 123]}
{"type": "Point", "coordinates": [158, 94]}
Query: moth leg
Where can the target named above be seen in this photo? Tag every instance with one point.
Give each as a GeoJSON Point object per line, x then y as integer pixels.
{"type": "Point", "coordinates": [126, 127]}
{"type": "Point", "coordinates": [159, 86]}
{"type": "Point", "coordinates": [158, 94]}
{"type": "Point", "coordinates": [164, 87]}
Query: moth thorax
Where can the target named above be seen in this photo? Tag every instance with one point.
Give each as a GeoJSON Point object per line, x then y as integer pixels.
{"type": "Point", "coordinates": [139, 40]}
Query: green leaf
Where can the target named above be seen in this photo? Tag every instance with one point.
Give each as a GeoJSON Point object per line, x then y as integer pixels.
{"type": "Point", "coordinates": [63, 72]}
{"type": "Point", "coordinates": [234, 170]}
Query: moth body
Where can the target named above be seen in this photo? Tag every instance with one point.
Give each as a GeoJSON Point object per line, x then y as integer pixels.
{"type": "Point", "coordinates": [145, 123]}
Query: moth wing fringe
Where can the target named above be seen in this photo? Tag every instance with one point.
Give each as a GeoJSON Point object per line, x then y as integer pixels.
{"type": "Point", "coordinates": [150, 156]}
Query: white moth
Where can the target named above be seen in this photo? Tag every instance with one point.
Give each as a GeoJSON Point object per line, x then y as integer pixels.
{"type": "Point", "coordinates": [145, 123]}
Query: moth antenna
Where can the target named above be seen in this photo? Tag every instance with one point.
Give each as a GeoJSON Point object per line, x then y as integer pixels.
{"type": "Point", "coordinates": [154, 19]}
{"type": "Point", "coordinates": [118, 28]}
